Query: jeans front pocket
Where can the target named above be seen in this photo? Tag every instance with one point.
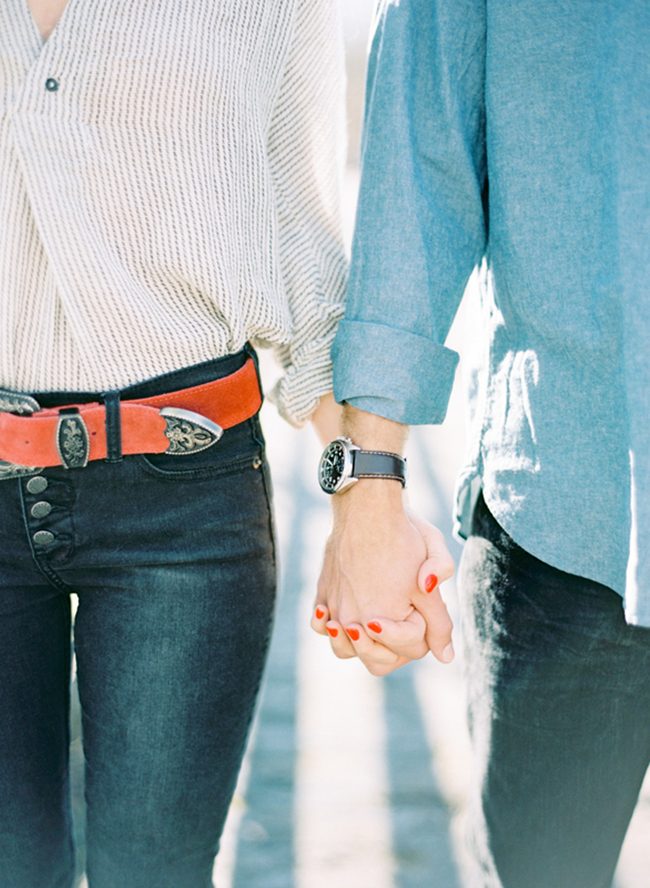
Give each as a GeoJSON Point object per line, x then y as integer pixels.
{"type": "Point", "coordinates": [239, 447]}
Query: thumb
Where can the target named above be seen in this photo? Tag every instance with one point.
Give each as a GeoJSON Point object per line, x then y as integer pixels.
{"type": "Point", "coordinates": [438, 624]}
{"type": "Point", "coordinates": [437, 567]}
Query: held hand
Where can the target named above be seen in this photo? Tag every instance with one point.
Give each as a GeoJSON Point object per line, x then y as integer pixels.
{"type": "Point", "coordinates": [376, 596]}
{"type": "Point", "coordinates": [438, 567]}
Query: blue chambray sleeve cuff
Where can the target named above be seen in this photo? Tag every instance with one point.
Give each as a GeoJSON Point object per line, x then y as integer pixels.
{"type": "Point", "coordinates": [392, 373]}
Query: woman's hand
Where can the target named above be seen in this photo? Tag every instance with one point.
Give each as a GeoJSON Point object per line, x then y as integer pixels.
{"type": "Point", "coordinates": [378, 594]}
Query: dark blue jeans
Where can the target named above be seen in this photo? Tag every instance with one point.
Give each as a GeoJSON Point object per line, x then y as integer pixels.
{"type": "Point", "coordinates": [559, 708]}
{"type": "Point", "coordinates": [172, 560]}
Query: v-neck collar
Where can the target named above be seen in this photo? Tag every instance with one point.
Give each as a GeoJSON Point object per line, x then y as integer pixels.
{"type": "Point", "coordinates": [37, 40]}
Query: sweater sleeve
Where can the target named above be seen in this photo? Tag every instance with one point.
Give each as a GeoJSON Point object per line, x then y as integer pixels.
{"type": "Point", "coordinates": [307, 154]}
{"type": "Point", "coordinates": [421, 225]}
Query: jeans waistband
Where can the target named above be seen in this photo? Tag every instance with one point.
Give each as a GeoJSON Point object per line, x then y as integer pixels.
{"type": "Point", "coordinates": [197, 374]}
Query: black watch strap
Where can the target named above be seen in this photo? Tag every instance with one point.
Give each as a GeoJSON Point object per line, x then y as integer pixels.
{"type": "Point", "coordinates": [378, 464]}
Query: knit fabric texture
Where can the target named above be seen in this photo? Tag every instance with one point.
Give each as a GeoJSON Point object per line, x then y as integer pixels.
{"type": "Point", "coordinates": [169, 190]}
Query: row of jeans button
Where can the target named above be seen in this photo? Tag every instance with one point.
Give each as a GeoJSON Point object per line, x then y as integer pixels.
{"type": "Point", "coordinates": [36, 485]}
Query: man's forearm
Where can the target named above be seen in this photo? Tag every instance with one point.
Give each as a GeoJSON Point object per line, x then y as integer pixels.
{"type": "Point", "coordinates": [372, 432]}
{"type": "Point", "coordinates": [326, 419]}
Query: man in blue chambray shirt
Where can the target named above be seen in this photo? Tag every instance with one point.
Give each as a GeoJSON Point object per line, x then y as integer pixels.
{"type": "Point", "coordinates": [515, 137]}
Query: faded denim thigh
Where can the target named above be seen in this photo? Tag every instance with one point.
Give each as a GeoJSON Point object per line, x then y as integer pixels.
{"type": "Point", "coordinates": [172, 559]}
{"type": "Point", "coordinates": [559, 706]}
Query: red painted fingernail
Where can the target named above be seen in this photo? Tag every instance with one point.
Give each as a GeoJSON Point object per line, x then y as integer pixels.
{"type": "Point", "coordinates": [319, 613]}
{"type": "Point", "coordinates": [431, 582]}
{"type": "Point", "coordinates": [353, 633]}
{"type": "Point", "coordinates": [333, 632]}
{"type": "Point", "coordinates": [375, 627]}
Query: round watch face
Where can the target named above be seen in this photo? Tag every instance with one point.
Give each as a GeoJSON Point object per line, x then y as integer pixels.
{"type": "Point", "coordinates": [332, 466]}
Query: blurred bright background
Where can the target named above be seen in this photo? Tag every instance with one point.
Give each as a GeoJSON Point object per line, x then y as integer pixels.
{"type": "Point", "coordinates": [350, 781]}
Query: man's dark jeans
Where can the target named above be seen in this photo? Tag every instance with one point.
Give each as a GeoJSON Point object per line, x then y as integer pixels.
{"type": "Point", "coordinates": [172, 559]}
{"type": "Point", "coordinates": [559, 714]}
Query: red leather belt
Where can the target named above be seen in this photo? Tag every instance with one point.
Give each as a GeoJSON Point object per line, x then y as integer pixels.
{"type": "Point", "coordinates": [178, 422]}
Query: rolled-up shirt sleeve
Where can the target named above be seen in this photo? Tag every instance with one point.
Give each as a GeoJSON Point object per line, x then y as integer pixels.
{"type": "Point", "coordinates": [307, 156]}
{"type": "Point", "coordinates": [421, 225]}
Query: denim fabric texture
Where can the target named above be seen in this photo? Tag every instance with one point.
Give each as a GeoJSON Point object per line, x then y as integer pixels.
{"type": "Point", "coordinates": [559, 704]}
{"type": "Point", "coordinates": [515, 137]}
{"type": "Point", "coordinates": [172, 559]}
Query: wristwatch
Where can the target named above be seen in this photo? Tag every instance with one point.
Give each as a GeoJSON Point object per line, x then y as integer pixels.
{"type": "Point", "coordinates": [343, 463]}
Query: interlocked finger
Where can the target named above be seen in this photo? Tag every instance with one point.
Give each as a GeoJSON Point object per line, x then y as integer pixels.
{"type": "Point", "coordinates": [341, 645]}
{"type": "Point", "coordinates": [376, 657]}
{"type": "Point", "coordinates": [319, 619]}
{"type": "Point", "coordinates": [406, 638]}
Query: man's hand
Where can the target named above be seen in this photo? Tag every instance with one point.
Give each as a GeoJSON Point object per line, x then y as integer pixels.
{"type": "Point", "coordinates": [378, 595]}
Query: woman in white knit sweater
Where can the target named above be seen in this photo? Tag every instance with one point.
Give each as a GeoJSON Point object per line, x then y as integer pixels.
{"type": "Point", "coordinates": [168, 195]}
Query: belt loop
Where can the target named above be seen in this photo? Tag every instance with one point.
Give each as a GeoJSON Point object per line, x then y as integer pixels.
{"type": "Point", "coordinates": [252, 353]}
{"type": "Point", "coordinates": [113, 426]}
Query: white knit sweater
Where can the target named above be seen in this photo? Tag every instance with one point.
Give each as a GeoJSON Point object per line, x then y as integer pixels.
{"type": "Point", "coordinates": [169, 177]}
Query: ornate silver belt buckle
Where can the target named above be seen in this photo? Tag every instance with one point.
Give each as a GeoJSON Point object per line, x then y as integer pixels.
{"type": "Point", "coordinates": [13, 470]}
{"type": "Point", "coordinates": [189, 432]}
{"type": "Point", "coordinates": [72, 439]}
{"type": "Point", "coordinates": [16, 402]}
{"type": "Point", "coordinates": [21, 405]}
